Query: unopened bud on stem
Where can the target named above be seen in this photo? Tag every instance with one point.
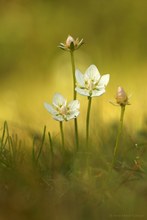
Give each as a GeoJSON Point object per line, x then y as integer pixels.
{"type": "Point", "coordinates": [71, 44]}
{"type": "Point", "coordinates": [121, 97]}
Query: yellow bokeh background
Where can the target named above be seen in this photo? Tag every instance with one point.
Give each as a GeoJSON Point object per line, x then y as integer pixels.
{"type": "Point", "coordinates": [33, 68]}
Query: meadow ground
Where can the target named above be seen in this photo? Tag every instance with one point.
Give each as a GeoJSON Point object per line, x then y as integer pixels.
{"type": "Point", "coordinates": [43, 182]}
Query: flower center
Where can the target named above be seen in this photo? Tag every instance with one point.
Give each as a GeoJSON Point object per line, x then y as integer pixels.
{"type": "Point", "coordinates": [90, 84]}
{"type": "Point", "coordinates": [62, 110]}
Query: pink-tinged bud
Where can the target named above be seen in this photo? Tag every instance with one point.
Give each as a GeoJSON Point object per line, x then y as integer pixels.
{"type": "Point", "coordinates": [69, 40]}
{"type": "Point", "coordinates": [121, 97]}
{"type": "Point", "coordinates": [71, 44]}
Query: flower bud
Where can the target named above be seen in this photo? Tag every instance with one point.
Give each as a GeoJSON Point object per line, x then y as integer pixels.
{"type": "Point", "coordinates": [69, 41]}
{"type": "Point", "coordinates": [71, 44]}
{"type": "Point", "coordinates": [121, 97]}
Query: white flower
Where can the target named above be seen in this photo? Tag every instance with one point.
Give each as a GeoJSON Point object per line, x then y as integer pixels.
{"type": "Point", "coordinates": [91, 83]}
{"type": "Point", "coordinates": [61, 110]}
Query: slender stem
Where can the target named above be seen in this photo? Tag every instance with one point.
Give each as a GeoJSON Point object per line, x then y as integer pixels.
{"type": "Point", "coordinates": [62, 134]}
{"type": "Point", "coordinates": [74, 97]}
{"type": "Point", "coordinates": [51, 144]}
{"type": "Point", "coordinates": [87, 120]}
{"type": "Point", "coordinates": [76, 133]}
{"type": "Point", "coordinates": [52, 153]}
{"type": "Point", "coordinates": [119, 132]}
{"type": "Point", "coordinates": [73, 73]}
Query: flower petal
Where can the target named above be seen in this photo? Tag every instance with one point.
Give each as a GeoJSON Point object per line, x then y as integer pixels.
{"type": "Point", "coordinates": [79, 78]}
{"type": "Point", "coordinates": [92, 73]}
{"type": "Point", "coordinates": [72, 115]}
{"type": "Point", "coordinates": [97, 92]}
{"type": "Point", "coordinates": [50, 108]}
{"type": "Point", "coordinates": [58, 117]}
{"type": "Point", "coordinates": [84, 92]}
{"type": "Point", "coordinates": [74, 105]}
{"type": "Point", "coordinates": [104, 80]}
{"type": "Point", "coordinates": [59, 100]}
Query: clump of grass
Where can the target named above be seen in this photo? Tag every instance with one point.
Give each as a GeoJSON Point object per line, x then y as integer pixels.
{"type": "Point", "coordinates": [10, 148]}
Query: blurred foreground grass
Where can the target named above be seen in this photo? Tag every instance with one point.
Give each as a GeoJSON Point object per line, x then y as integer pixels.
{"type": "Point", "coordinates": [73, 185]}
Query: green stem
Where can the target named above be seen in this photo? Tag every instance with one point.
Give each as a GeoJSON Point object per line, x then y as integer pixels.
{"type": "Point", "coordinates": [76, 133]}
{"type": "Point", "coordinates": [118, 133]}
{"type": "Point", "coordinates": [51, 144]}
{"type": "Point", "coordinates": [87, 120]}
{"type": "Point", "coordinates": [73, 73]}
{"type": "Point", "coordinates": [62, 134]}
{"type": "Point", "coordinates": [52, 153]}
{"type": "Point", "coordinates": [74, 97]}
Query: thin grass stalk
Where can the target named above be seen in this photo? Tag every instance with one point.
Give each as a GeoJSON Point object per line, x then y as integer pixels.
{"type": "Point", "coordinates": [3, 134]}
{"type": "Point", "coordinates": [9, 141]}
{"type": "Point", "coordinates": [42, 143]}
{"type": "Point", "coordinates": [51, 154]}
{"type": "Point", "coordinates": [51, 145]}
{"type": "Point", "coordinates": [10, 144]}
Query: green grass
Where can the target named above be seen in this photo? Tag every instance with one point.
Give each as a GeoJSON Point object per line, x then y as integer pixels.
{"type": "Point", "coordinates": [43, 182]}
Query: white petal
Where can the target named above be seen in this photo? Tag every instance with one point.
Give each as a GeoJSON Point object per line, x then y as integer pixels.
{"type": "Point", "coordinates": [69, 40]}
{"type": "Point", "coordinates": [59, 100]}
{"type": "Point", "coordinates": [58, 117]}
{"type": "Point", "coordinates": [92, 73]}
{"type": "Point", "coordinates": [104, 80]}
{"type": "Point", "coordinates": [50, 108]}
{"type": "Point", "coordinates": [100, 87]}
{"type": "Point", "coordinates": [72, 115]}
{"type": "Point", "coordinates": [98, 93]}
{"type": "Point", "coordinates": [74, 105]}
{"type": "Point", "coordinates": [84, 92]}
{"type": "Point", "coordinates": [80, 78]}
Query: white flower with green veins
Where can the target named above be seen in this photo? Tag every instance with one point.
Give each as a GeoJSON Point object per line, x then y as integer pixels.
{"type": "Point", "coordinates": [61, 110]}
{"type": "Point", "coordinates": [91, 83]}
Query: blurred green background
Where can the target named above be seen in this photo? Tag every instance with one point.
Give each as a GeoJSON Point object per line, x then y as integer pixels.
{"type": "Point", "coordinates": [33, 68]}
